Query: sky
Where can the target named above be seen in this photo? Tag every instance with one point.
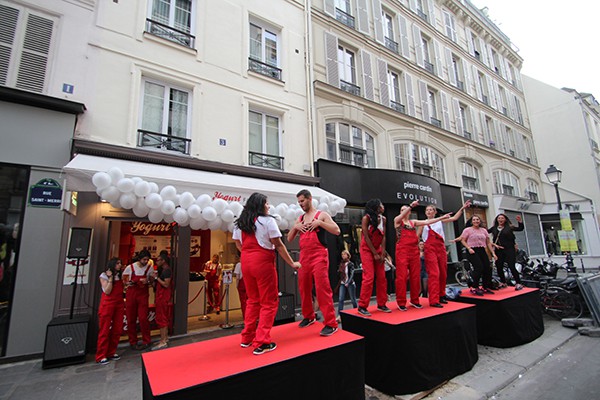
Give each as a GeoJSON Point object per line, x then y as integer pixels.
{"type": "Point", "coordinates": [557, 40]}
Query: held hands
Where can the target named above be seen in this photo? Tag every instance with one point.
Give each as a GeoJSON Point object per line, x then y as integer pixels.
{"type": "Point", "coordinates": [296, 265]}
{"type": "Point", "coordinates": [446, 216]}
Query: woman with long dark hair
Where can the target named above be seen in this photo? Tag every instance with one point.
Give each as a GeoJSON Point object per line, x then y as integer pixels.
{"type": "Point", "coordinates": [504, 241]}
{"type": "Point", "coordinates": [110, 313]}
{"type": "Point", "coordinates": [257, 237]}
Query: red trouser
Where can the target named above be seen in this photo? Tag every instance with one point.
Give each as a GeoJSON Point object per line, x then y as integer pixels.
{"type": "Point", "coordinates": [260, 278]}
{"type": "Point", "coordinates": [241, 288]}
{"type": "Point", "coordinates": [136, 307]}
{"type": "Point", "coordinates": [408, 265]}
{"type": "Point", "coordinates": [372, 271]}
{"type": "Point", "coordinates": [212, 290]}
{"type": "Point", "coordinates": [436, 265]}
{"type": "Point", "coordinates": [161, 304]}
{"type": "Point", "coordinates": [110, 321]}
{"type": "Point", "coordinates": [315, 265]}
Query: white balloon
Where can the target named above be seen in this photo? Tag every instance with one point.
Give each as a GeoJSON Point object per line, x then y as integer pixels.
{"type": "Point", "coordinates": [181, 216]}
{"type": "Point", "coordinates": [197, 223]}
{"type": "Point", "coordinates": [99, 192]}
{"type": "Point", "coordinates": [111, 194]}
{"type": "Point", "coordinates": [186, 200]}
{"type": "Point", "coordinates": [194, 211]}
{"type": "Point", "coordinates": [325, 199]}
{"type": "Point", "coordinates": [225, 226]}
{"type": "Point", "coordinates": [283, 224]}
{"type": "Point", "coordinates": [125, 185]}
{"type": "Point", "coordinates": [290, 215]}
{"type": "Point", "coordinates": [141, 209]}
{"type": "Point", "coordinates": [299, 212]}
{"type": "Point", "coordinates": [185, 223]}
{"type": "Point", "coordinates": [281, 208]}
{"type": "Point", "coordinates": [333, 208]}
{"type": "Point", "coordinates": [219, 205]}
{"type": "Point", "coordinates": [272, 209]}
{"type": "Point", "coordinates": [203, 200]}
{"type": "Point", "coordinates": [227, 216]}
{"type": "Point", "coordinates": [101, 180]}
{"type": "Point", "coordinates": [315, 203]}
{"type": "Point", "coordinates": [323, 207]}
{"type": "Point", "coordinates": [343, 202]}
{"type": "Point", "coordinates": [168, 218]}
{"type": "Point", "coordinates": [142, 189]}
{"type": "Point", "coordinates": [136, 179]}
{"type": "Point", "coordinates": [236, 208]}
{"type": "Point", "coordinates": [215, 224]}
{"type": "Point", "coordinates": [153, 187]}
{"type": "Point", "coordinates": [155, 216]}
{"type": "Point", "coordinates": [116, 174]}
{"type": "Point", "coordinates": [209, 213]}
{"type": "Point", "coordinates": [167, 207]}
{"type": "Point", "coordinates": [277, 217]}
{"type": "Point", "coordinates": [168, 193]}
{"type": "Point", "coordinates": [128, 201]}
{"type": "Point", "coordinates": [115, 204]}
{"type": "Point", "coordinates": [177, 200]}
{"type": "Point", "coordinates": [230, 226]}
{"type": "Point", "coordinates": [153, 200]}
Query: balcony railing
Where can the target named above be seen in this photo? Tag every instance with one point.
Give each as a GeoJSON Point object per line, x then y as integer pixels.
{"type": "Point", "coordinates": [163, 142]}
{"type": "Point", "coordinates": [468, 135]}
{"type": "Point", "coordinates": [390, 44]}
{"type": "Point", "coordinates": [436, 122]}
{"type": "Point", "coordinates": [265, 160]}
{"type": "Point", "coordinates": [477, 55]}
{"type": "Point", "coordinates": [398, 107]}
{"type": "Point", "coordinates": [170, 33]}
{"type": "Point", "coordinates": [422, 15]}
{"type": "Point", "coordinates": [460, 85]}
{"type": "Point", "coordinates": [344, 18]}
{"type": "Point", "coordinates": [264, 69]}
{"type": "Point", "coordinates": [350, 88]}
{"type": "Point", "coordinates": [428, 66]}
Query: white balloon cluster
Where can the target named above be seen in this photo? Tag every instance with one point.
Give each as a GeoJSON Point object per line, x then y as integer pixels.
{"type": "Point", "coordinates": [146, 200]}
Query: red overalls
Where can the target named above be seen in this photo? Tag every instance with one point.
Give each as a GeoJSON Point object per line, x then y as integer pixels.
{"type": "Point", "coordinates": [137, 308]}
{"type": "Point", "coordinates": [260, 277]}
{"type": "Point", "coordinates": [162, 299]}
{"type": "Point", "coordinates": [314, 258]}
{"type": "Point", "coordinates": [408, 264]}
{"type": "Point", "coordinates": [372, 270]}
{"type": "Point", "coordinates": [241, 288]}
{"type": "Point", "coordinates": [110, 321]}
{"type": "Point", "coordinates": [436, 265]}
{"type": "Point", "coordinates": [212, 287]}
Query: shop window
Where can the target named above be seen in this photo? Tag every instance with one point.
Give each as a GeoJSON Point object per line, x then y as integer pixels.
{"type": "Point", "coordinates": [264, 50]}
{"type": "Point", "coordinates": [550, 229]}
{"type": "Point", "coordinates": [172, 20]}
{"type": "Point", "coordinates": [350, 144]}
{"type": "Point", "coordinates": [264, 140]}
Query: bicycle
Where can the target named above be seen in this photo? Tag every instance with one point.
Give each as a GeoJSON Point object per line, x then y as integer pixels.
{"type": "Point", "coordinates": [559, 302]}
{"type": "Point", "coordinates": [463, 274]}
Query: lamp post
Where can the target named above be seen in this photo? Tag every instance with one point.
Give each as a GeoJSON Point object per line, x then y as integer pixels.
{"type": "Point", "coordinates": [554, 176]}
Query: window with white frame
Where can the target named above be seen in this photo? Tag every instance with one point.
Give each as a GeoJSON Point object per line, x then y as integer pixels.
{"type": "Point", "coordinates": [350, 144]}
{"type": "Point", "coordinates": [343, 12]}
{"type": "Point", "coordinates": [347, 70]}
{"type": "Point", "coordinates": [165, 117]}
{"type": "Point", "coordinates": [421, 10]}
{"type": "Point", "coordinates": [527, 150]}
{"type": "Point", "coordinates": [388, 28]}
{"type": "Point", "coordinates": [518, 110]}
{"type": "Point", "coordinates": [425, 45]}
{"type": "Point", "coordinates": [450, 25]}
{"type": "Point", "coordinates": [483, 87]}
{"type": "Point", "coordinates": [395, 86]}
{"type": "Point", "coordinates": [491, 132]}
{"type": "Point", "coordinates": [25, 45]}
{"type": "Point", "coordinates": [503, 100]}
{"type": "Point", "coordinates": [457, 70]}
{"type": "Point", "coordinates": [532, 190]}
{"type": "Point", "coordinates": [506, 183]}
{"type": "Point", "coordinates": [264, 54]}
{"type": "Point", "coordinates": [172, 20]}
{"type": "Point", "coordinates": [432, 99]}
{"type": "Point", "coordinates": [419, 159]}
{"type": "Point", "coordinates": [264, 142]}
{"type": "Point", "coordinates": [465, 118]}
{"type": "Point", "coordinates": [476, 46]}
{"type": "Point", "coordinates": [470, 176]}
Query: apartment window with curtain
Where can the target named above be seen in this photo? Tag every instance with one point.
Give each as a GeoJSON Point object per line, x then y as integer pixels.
{"type": "Point", "coordinates": [349, 144]}
{"type": "Point", "coordinates": [264, 142]}
{"type": "Point", "coordinates": [470, 177]}
{"type": "Point", "coordinates": [506, 183]}
{"type": "Point", "coordinates": [419, 159]}
{"type": "Point", "coordinates": [347, 70]}
{"type": "Point", "coordinates": [172, 20]}
{"type": "Point", "coordinates": [165, 117]}
{"type": "Point", "coordinates": [264, 50]}
{"type": "Point", "coordinates": [532, 190]}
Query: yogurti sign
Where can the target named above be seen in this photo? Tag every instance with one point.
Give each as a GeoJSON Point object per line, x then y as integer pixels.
{"type": "Point", "coordinates": [422, 192]}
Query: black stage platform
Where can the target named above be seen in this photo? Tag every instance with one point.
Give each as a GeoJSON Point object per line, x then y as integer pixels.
{"type": "Point", "coordinates": [415, 350]}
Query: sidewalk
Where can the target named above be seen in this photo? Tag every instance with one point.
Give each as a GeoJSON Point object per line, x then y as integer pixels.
{"type": "Point", "coordinates": [122, 379]}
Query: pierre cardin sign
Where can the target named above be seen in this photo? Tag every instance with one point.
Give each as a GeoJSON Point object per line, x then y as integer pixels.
{"type": "Point", "coordinates": [477, 200]}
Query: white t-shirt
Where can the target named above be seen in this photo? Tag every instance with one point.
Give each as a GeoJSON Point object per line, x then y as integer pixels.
{"type": "Point", "coordinates": [266, 229]}
{"type": "Point", "coordinates": [237, 271]}
{"type": "Point", "coordinates": [105, 277]}
{"type": "Point", "coordinates": [138, 270]}
{"type": "Point", "coordinates": [437, 227]}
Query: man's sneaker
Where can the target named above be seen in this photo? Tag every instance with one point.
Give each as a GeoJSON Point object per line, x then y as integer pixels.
{"type": "Point", "coordinates": [328, 330]}
{"type": "Point", "coordinates": [384, 308]}
{"type": "Point", "coordinates": [104, 361]}
{"type": "Point", "coordinates": [305, 322]}
{"type": "Point", "coordinates": [115, 357]}
{"type": "Point", "coordinates": [364, 311]}
{"type": "Point", "coordinates": [437, 305]}
{"type": "Point", "coordinates": [265, 348]}
{"type": "Point", "coordinates": [402, 308]}
{"type": "Point", "coordinates": [443, 301]}
{"type": "Point", "coordinates": [416, 305]}
{"type": "Point", "coordinates": [245, 345]}
{"type": "Point", "coordinates": [518, 286]}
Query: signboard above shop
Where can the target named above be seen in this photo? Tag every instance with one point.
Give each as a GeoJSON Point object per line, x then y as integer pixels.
{"type": "Point", "coordinates": [477, 200]}
{"type": "Point", "coordinates": [46, 193]}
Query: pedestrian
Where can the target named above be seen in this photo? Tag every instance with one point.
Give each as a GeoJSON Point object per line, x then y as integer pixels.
{"type": "Point", "coordinates": [110, 312]}
{"type": "Point", "coordinates": [504, 241]}
{"type": "Point", "coordinates": [137, 277]}
{"type": "Point", "coordinates": [212, 270]}
{"type": "Point", "coordinates": [162, 299]}
{"type": "Point", "coordinates": [314, 257]}
{"type": "Point", "coordinates": [372, 255]}
{"type": "Point", "coordinates": [257, 236]}
{"type": "Point", "coordinates": [476, 239]}
{"type": "Point", "coordinates": [347, 284]}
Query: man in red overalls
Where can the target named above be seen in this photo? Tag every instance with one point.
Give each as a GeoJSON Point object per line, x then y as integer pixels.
{"type": "Point", "coordinates": [315, 262]}
{"type": "Point", "coordinates": [136, 279]}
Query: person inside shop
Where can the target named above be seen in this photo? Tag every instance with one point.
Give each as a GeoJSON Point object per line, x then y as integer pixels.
{"type": "Point", "coordinates": [314, 257]}
{"type": "Point", "coordinates": [241, 286]}
{"type": "Point", "coordinates": [162, 299]}
{"type": "Point", "coordinates": [257, 237]}
{"type": "Point", "coordinates": [436, 257]}
{"type": "Point", "coordinates": [212, 271]}
{"type": "Point", "coordinates": [110, 313]}
{"type": "Point", "coordinates": [476, 239]}
{"type": "Point", "coordinates": [408, 262]}
{"type": "Point", "coordinates": [504, 241]}
{"type": "Point", "coordinates": [347, 284]}
{"type": "Point", "coordinates": [423, 268]}
{"type": "Point", "coordinates": [137, 277]}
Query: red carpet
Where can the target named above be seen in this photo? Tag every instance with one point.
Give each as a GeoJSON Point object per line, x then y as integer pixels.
{"type": "Point", "coordinates": [412, 314]}
{"type": "Point", "coordinates": [498, 295]}
{"type": "Point", "coordinates": [194, 364]}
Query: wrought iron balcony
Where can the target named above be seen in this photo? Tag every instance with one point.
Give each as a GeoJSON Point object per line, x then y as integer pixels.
{"type": "Point", "coordinates": [265, 160]}
{"type": "Point", "coordinates": [164, 142]}
{"type": "Point", "coordinates": [390, 44]}
{"type": "Point", "coordinates": [477, 55]}
{"type": "Point", "coordinates": [436, 122]}
{"type": "Point", "coordinates": [264, 69]}
{"type": "Point", "coordinates": [344, 18]}
{"type": "Point", "coordinates": [170, 33]}
{"type": "Point", "coordinates": [398, 107]}
{"type": "Point", "coordinates": [428, 66]}
{"type": "Point", "coordinates": [350, 88]}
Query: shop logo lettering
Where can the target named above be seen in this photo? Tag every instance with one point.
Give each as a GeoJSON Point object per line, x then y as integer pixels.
{"type": "Point", "coordinates": [422, 198]}
{"type": "Point", "coordinates": [145, 228]}
{"type": "Point", "coordinates": [226, 197]}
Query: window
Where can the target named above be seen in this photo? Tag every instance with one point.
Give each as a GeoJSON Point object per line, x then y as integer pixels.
{"type": "Point", "coordinates": [509, 142]}
{"type": "Point", "coordinates": [419, 159]}
{"type": "Point", "coordinates": [496, 61]}
{"type": "Point", "coordinates": [470, 177]}
{"type": "Point", "coordinates": [506, 183]}
{"type": "Point", "coordinates": [503, 101]}
{"type": "Point", "coordinates": [343, 13]}
{"type": "Point", "coordinates": [349, 144]}
{"type": "Point", "coordinates": [475, 44]}
{"type": "Point", "coordinates": [483, 88]}
{"type": "Point", "coordinates": [263, 56]}
{"type": "Point", "coordinates": [449, 25]}
{"type": "Point", "coordinates": [347, 70]}
{"type": "Point", "coordinates": [389, 36]}
{"type": "Point", "coordinates": [518, 110]}
{"type": "Point", "coordinates": [465, 120]}
{"type": "Point", "coordinates": [264, 142]}
{"type": "Point", "coordinates": [426, 53]}
{"type": "Point", "coordinates": [432, 103]}
{"type": "Point", "coordinates": [165, 119]}
{"type": "Point", "coordinates": [457, 71]}
{"type": "Point", "coordinates": [25, 44]}
{"type": "Point", "coordinates": [395, 96]}
{"type": "Point", "coordinates": [532, 190]}
{"type": "Point", "coordinates": [171, 20]}
{"type": "Point", "coordinates": [490, 132]}
{"type": "Point", "coordinates": [420, 9]}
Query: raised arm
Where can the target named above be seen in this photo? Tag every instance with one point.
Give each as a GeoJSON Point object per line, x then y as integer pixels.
{"type": "Point", "coordinates": [398, 219]}
{"type": "Point", "coordinates": [520, 226]}
{"type": "Point", "coordinates": [459, 212]}
{"type": "Point", "coordinates": [421, 222]}
{"type": "Point", "coordinates": [295, 230]}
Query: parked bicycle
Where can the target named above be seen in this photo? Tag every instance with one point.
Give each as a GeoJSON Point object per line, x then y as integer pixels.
{"type": "Point", "coordinates": [559, 302]}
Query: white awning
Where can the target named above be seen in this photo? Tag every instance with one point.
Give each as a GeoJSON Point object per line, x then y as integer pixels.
{"type": "Point", "coordinates": [81, 169]}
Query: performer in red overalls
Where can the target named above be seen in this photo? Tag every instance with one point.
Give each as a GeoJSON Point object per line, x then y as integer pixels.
{"type": "Point", "coordinates": [372, 256]}
{"type": "Point", "coordinates": [136, 279]}
{"type": "Point", "coordinates": [314, 258]}
{"type": "Point", "coordinates": [162, 299]}
{"type": "Point", "coordinates": [257, 236]}
{"type": "Point", "coordinates": [408, 261]}
{"type": "Point", "coordinates": [110, 313]}
{"type": "Point", "coordinates": [212, 270]}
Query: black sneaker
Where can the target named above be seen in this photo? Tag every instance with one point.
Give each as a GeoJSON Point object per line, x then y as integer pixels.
{"type": "Point", "coordinates": [437, 305]}
{"type": "Point", "coordinates": [245, 345]}
{"type": "Point", "coordinates": [384, 309]}
{"type": "Point", "coordinates": [115, 357]}
{"type": "Point", "coordinates": [416, 305]}
{"type": "Point", "coordinates": [143, 346]}
{"type": "Point", "coordinates": [488, 290]}
{"type": "Point", "coordinates": [364, 311]}
{"type": "Point", "coordinates": [443, 301]}
{"type": "Point", "coordinates": [306, 322]}
{"type": "Point", "coordinates": [264, 348]}
{"type": "Point", "coordinates": [402, 308]}
{"type": "Point", "coordinates": [104, 361]}
{"type": "Point", "coordinates": [328, 330]}
{"type": "Point", "coordinates": [477, 291]}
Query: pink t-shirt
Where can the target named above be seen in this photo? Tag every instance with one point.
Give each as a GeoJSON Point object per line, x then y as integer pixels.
{"type": "Point", "coordinates": [475, 237]}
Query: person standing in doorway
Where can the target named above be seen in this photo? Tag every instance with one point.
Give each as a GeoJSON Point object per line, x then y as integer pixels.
{"type": "Point", "coordinates": [110, 313]}
{"type": "Point", "coordinates": [212, 270]}
{"type": "Point", "coordinates": [164, 291]}
{"type": "Point", "coordinates": [314, 257]}
{"type": "Point", "coordinates": [137, 277]}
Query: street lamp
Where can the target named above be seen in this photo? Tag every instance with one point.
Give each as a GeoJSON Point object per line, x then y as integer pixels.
{"type": "Point", "coordinates": [554, 176]}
